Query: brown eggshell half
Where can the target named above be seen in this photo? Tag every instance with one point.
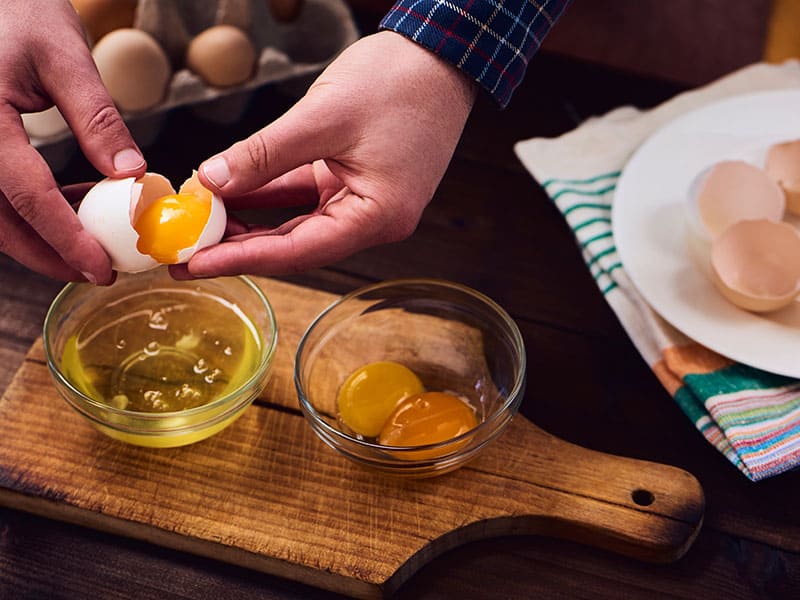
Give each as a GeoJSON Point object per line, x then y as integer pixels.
{"type": "Point", "coordinates": [783, 165]}
{"type": "Point", "coordinates": [756, 264]}
{"type": "Point", "coordinates": [732, 191]}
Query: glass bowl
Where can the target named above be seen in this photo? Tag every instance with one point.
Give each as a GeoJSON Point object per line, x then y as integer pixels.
{"type": "Point", "coordinates": [453, 338]}
{"type": "Point", "coordinates": [156, 362]}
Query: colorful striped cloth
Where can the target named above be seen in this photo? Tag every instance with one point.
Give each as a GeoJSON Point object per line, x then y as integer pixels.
{"type": "Point", "coordinates": [750, 416]}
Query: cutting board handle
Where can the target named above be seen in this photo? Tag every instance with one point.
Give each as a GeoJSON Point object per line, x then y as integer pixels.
{"type": "Point", "coordinates": [642, 509]}
{"type": "Point", "coordinates": [529, 482]}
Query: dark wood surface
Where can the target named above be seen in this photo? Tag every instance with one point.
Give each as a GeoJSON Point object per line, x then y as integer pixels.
{"type": "Point", "coordinates": [492, 228]}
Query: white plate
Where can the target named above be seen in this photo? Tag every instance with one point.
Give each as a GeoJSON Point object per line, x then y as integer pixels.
{"type": "Point", "coordinates": [650, 231]}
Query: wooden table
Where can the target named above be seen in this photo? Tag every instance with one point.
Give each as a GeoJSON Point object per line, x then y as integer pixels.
{"type": "Point", "coordinates": [492, 228]}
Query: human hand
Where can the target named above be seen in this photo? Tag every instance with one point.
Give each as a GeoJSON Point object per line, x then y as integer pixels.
{"type": "Point", "coordinates": [368, 145]}
{"type": "Point", "coordinates": [44, 60]}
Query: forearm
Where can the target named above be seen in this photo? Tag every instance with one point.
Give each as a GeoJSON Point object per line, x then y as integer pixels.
{"type": "Point", "coordinates": [490, 40]}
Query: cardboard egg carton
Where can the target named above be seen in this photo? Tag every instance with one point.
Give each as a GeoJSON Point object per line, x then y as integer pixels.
{"type": "Point", "coordinates": [289, 54]}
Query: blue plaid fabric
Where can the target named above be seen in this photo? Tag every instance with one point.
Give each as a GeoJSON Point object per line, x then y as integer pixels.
{"type": "Point", "coordinates": [491, 40]}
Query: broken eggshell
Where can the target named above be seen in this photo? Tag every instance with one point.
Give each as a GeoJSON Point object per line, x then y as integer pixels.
{"type": "Point", "coordinates": [112, 206]}
{"type": "Point", "coordinates": [732, 191]}
{"type": "Point", "coordinates": [783, 166]}
{"type": "Point", "coordinates": [756, 264]}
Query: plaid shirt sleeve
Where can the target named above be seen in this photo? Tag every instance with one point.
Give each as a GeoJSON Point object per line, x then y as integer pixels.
{"type": "Point", "coordinates": [490, 40]}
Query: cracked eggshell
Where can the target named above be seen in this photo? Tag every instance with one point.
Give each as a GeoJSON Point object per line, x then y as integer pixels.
{"type": "Point", "coordinates": [783, 165]}
{"type": "Point", "coordinates": [756, 264]}
{"type": "Point", "coordinates": [732, 191]}
{"type": "Point", "coordinates": [106, 213]}
{"type": "Point", "coordinates": [112, 206]}
{"type": "Point", "coordinates": [217, 219]}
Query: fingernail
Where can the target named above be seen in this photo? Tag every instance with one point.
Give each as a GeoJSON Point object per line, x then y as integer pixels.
{"type": "Point", "coordinates": [128, 160]}
{"type": "Point", "coordinates": [217, 171]}
{"type": "Point", "coordinates": [91, 278]}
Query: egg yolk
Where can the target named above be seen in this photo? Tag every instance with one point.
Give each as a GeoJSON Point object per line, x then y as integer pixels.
{"type": "Point", "coordinates": [427, 418]}
{"type": "Point", "coordinates": [370, 394]}
{"type": "Point", "coordinates": [170, 224]}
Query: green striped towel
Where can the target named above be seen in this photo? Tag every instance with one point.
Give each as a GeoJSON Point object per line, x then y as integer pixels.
{"type": "Point", "coordinates": [750, 416]}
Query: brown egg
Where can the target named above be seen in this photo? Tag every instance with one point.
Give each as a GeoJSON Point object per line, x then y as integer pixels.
{"type": "Point", "coordinates": [222, 56]}
{"type": "Point", "coordinates": [756, 264]}
{"type": "Point", "coordinates": [134, 68]}
{"type": "Point", "coordinates": [285, 10]}
{"type": "Point", "coordinates": [783, 165]}
{"type": "Point", "coordinates": [730, 191]}
{"type": "Point", "coordinates": [99, 17]}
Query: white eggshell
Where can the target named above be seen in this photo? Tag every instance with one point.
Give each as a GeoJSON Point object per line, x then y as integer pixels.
{"type": "Point", "coordinates": [732, 191]}
{"type": "Point", "coordinates": [756, 264]}
{"type": "Point", "coordinates": [215, 226]}
{"type": "Point", "coordinates": [105, 213]}
{"type": "Point", "coordinates": [44, 124]}
{"type": "Point", "coordinates": [111, 207]}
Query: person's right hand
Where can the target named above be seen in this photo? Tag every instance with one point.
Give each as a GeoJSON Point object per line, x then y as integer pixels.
{"type": "Point", "coordinates": [45, 60]}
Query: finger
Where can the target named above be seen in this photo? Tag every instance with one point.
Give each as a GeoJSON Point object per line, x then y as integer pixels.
{"type": "Point", "coordinates": [235, 230]}
{"type": "Point", "coordinates": [307, 246]}
{"type": "Point", "coordinates": [235, 226]}
{"type": "Point", "coordinates": [28, 185]}
{"type": "Point", "coordinates": [19, 241]}
{"type": "Point", "coordinates": [90, 112]}
{"type": "Point", "coordinates": [75, 192]}
{"type": "Point", "coordinates": [302, 135]}
{"type": "Point", "coordinates": [353, 224]}
{"type": "Point", "coordinates": [181, 271]}
{"type": "Point", "coordinates": [296, 188]}
{"type": "Point", "coordinates": [261, 230]}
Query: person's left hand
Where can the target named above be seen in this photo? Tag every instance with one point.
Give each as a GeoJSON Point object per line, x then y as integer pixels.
{"type": "Point", "coordinates": [367, 145]}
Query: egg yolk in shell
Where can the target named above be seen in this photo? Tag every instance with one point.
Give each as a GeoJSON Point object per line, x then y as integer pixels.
{"type": "Point", "coordinates": [427, 418]}
{"type": "Point", "coordinates": [172, 223]}
{"type": "Point", "coordinates": [371, 393]}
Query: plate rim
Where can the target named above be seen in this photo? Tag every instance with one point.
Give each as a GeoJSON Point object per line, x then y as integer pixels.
{"type": "Point", "coordinates": [622, 242]}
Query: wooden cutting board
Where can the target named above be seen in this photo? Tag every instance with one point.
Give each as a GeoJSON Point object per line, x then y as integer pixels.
{"type": "Point", "coordinates": [267, 494]}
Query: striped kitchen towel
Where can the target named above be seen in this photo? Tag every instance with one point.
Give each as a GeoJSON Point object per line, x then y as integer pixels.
{"type": "Point", "coordinates": [751, 416]}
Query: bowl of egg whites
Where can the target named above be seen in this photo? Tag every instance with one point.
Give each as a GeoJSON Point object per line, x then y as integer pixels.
{"type": "Point", "coordinates": [149, 360]}
{"type": "Point", "coordinates": [411, 377]}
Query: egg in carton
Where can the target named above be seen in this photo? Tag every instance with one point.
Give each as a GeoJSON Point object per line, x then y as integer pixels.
{"type": "Point", "coordinates": [176, 61]}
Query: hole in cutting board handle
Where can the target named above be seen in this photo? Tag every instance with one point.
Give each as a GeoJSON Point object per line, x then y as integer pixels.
{"type": "Point", "coordinates": [643, 497]}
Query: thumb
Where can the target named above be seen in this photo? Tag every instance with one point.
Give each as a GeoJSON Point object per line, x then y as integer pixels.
{"type": "Point", "coordinates": [302, 135]}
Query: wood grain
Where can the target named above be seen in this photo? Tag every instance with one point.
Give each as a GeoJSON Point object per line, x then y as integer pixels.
{"type": "Point", "coordinates": [268, 495]}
